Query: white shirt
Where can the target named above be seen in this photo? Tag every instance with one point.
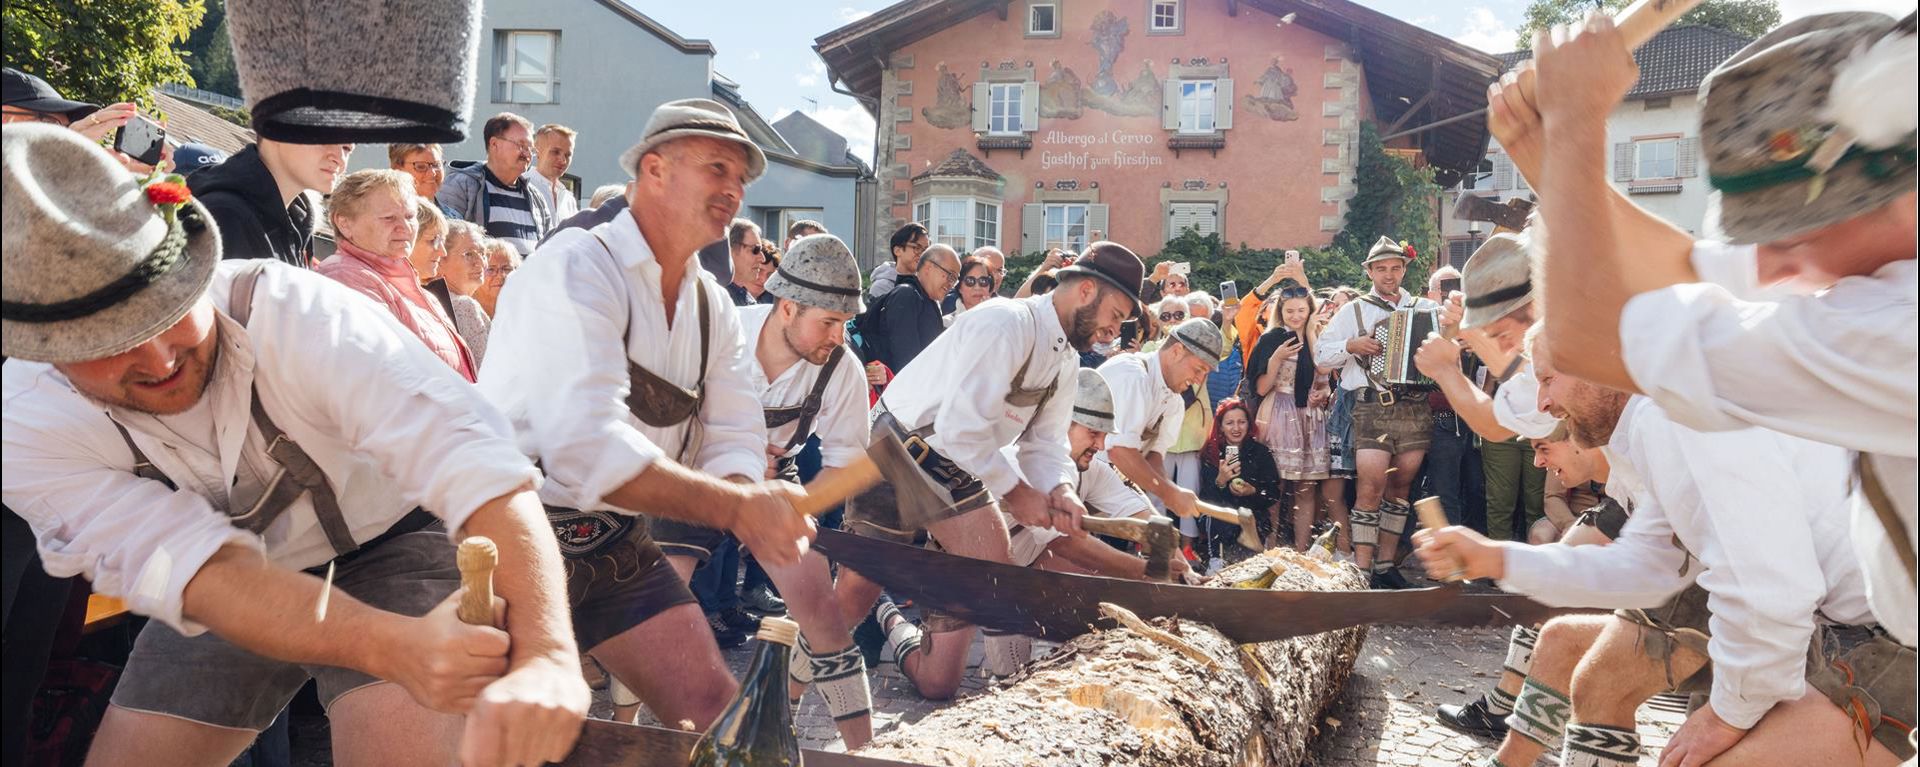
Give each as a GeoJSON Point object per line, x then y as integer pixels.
{"type": "Point", "coordinates": [568, 321]}
{"type": "Point", "coordinates": [389, 423]}
{"type": "Point", "coordinates": [959, 385]}
{"type": "Point", "coordinates": [1838, 367]}
{"type": "Point", "coordinates": [1516, 405]}
{"type": "Point", "coordinates": [842, 422]}
{"type": "Point", "coordinates": [559, 200]}
{"type": "Point", "coordinates": [1331, 349]}
{"type": "Point", "coordinates": [1105, 493]}
{"type": "Point", "coordinates": [1765, 517]}
{"type": "Point", "coordinates": [1141, 402]}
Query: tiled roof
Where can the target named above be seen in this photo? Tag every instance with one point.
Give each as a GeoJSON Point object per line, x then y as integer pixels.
{"type": "Point", "coordinates": [188, 121]}
{"type": "Point", "coordinates": [1674, 61]}
{"type": "Point", "coordinates": [961, 163]}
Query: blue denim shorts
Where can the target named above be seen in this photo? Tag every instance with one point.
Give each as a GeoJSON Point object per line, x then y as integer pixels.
{"type": "Point", "coordinates": [1340, 434]}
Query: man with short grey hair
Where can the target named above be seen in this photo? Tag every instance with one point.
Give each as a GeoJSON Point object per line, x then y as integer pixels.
{"type": "Point", "coordinates": [499, 194]}
{"type": "Point", "coordinates": [908, 319]}
{"type": "Point", "coordinates": [752, 260]}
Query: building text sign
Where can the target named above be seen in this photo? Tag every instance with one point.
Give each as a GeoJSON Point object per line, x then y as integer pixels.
{"type": "Point", "coordinates": [1092, 151]}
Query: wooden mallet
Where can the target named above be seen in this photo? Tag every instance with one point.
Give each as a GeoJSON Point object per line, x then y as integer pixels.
{"type": "Point", "coordinates": [477, 558]}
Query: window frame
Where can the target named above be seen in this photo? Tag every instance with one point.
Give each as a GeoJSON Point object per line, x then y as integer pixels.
{"type": "Point", "coordinates": [1179, 15]}
{"type": "Point", "coordinates": [1035, 5]}
{"type": "Point", "coordinates": [1672, 144]}
{"type": "Point", "coordinates": [998, 121]}
{"type": "Point", "coordinates": [511, 80]}
{"type": "Point", "coordinates": [1200, 115]}
{"type": "Point", "coordinates": [1066, 226]}
{"type": "Point", "coordinates": [969, 238]}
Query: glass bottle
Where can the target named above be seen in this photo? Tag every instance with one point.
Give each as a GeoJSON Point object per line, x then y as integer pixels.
{"type": "Point", "coordinates": [756, 729]}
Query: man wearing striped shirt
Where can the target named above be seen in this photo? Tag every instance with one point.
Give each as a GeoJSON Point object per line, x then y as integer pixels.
{"type": "Point", "coordinates": [497, 194]}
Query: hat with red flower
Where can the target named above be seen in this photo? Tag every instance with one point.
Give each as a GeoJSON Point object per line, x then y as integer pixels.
{"type": "Point", "coordinates": [96, 260]}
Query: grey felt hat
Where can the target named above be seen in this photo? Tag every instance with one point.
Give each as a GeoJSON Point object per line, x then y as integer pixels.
{"type": "Point", "coordinates": [89, 266]}
{"type": "Point", "coordinates": [1803, 128]}
{"type": "Point", "coordinates": [818, 271]}
{"type": "Point", "coordinates": [1384, 249]}
{"type": "Point", "coordinates": [1093, 402]}
{"type": "Point", "coordinates": [1202, 337]}
{"type": "Point", "coordinates": [399, 72]}
{"type": "Point", "coordinates": [687, 118]}
{"type": "Point", "coordinates": [1497, 279]}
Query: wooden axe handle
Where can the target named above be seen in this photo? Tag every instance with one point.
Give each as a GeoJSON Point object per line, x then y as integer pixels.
{"type": "Point", "coordinates": [842, 483]}
{"type": "Point", "coordinates": [1433, 516]}
{"type": "Point", "coordinates": [1223, 514]}
{"type": "Point", "coordinates": [477, 558]}
{"type": "Point", "coordinates": [1131, 529]}
{"type": "Point", "coordinates": [1644, 19]}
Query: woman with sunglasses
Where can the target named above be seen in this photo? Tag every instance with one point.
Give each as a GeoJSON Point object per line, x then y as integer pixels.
{"type": "Point", "coordinates": [974, 287]}
{"type": "Point", "coordinates": [1292, 413]}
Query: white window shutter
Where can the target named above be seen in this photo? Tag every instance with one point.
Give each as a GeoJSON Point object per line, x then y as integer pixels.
{"type": "Point", "coordinates": [1096, 222]}
{"type": "Point", "coordinates": [1688, 153]}
{"type": "Point", "coordinates": [1033, 227]}
{"type": "Point", "coordinates": [1623, 161]}
{"type": "Point", "coordinates": [1222, 104]}
{"type": "Point", "coordinates": [982, 106]}
{"type": "Point", "coordinates": [1502, 171]}
{"type": "Point", "coordinates": [1170, 104]}
{"type": "Point", "coordinates": [1030, 106]}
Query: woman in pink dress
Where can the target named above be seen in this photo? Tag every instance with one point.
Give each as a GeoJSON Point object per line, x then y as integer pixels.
{"type": "Point", "coordinates": [1292, 419]}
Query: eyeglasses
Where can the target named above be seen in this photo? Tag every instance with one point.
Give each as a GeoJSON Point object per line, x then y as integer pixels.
{"type": "Point", "coordinates": [1172, 316]}
{"type": "Point", "coordinates": [976, 282]}
{"type": "Point", "coordinates": [1294, 292]}
{"type": "Point", "coordinates": [501, 270]}
{"type": "Point", "coordinates": [427, 167]}
{"type": "Point", "coordinates": [767, 253]}
{"type": "Point", "coordinates": [943, 270]}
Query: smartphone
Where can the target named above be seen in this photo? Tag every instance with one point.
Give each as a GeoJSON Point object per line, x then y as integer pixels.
{"type": "Point", "coordinates": [1449, 285]}
{"type": "Point", "coordinates": [1229, 290]}
{"type": "Point", "coordinates": [1233, 452]}
{"type": "Point", "coordinates": [141, 139]}
{"type": "Point", "coordinates": [1129, 330]}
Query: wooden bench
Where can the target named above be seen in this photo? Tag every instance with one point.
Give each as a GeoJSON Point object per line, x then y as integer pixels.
{"type": "Point", "coordinates": [103, 612]}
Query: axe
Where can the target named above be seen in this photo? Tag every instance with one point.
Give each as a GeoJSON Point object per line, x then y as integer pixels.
{"type": "Point", "coordinates": [1155, 537]}
{"type": "Point", "coordinates": [1249, 530]}
{"type": "Point", "coordinates": [886, 458]}
{"type": "Point", "coordinates": [1508, 216]}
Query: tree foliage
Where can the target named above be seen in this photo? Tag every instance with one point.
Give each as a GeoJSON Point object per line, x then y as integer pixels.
{"type": "Point", "coordinates": [1747, 18]}
{"type": "Point", "coordinates": [101, 51]}
{"type": "Point", "coordinates": [209, 53]}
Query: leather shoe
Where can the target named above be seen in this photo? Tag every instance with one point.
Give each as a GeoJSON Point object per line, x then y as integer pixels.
{"type": "Point", "coordinates": [761, 599]}
{"type": "Point", "coordinates": [1472, 719]}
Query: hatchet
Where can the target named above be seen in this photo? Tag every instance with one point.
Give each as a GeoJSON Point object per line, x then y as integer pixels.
{"type": "Point", "coordinates": [1155, 536]}
{"type": "Point", "coordinates": [1249, 530]}
{"type": "Point", "coordinates": [603, 742]}
{"type": "Point", "coordinates": [1510, 215]}
{"type": "Point", "coordinates": [886, 458]}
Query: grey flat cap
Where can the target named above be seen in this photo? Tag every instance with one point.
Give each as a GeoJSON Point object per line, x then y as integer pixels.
{"type": "Point", "coordinates": [1093, 402]}
{"type": "Point", "coordinates": [1384, 249]}
{"type": "Point", "coordinates": [1497, 279]}
{"type": "Point", "coordinates": [687, 118]}
{"type": "Point", "coordinates": [1202, 337]}
{"type": "Point", "coordinates": [818, 271]}
{"type": "Point", "coordinates": [90, 266]}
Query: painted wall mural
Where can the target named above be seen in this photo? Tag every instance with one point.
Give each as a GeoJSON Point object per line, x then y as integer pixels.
{"type": "Point", "coordinates": [1275, 92]}
{"type": "Point", "coordinates": [952, 107]}
{"type": "Point", "coordinates": [1138, 98]}
{"type": "Point", "coordinates": [1060, 95]}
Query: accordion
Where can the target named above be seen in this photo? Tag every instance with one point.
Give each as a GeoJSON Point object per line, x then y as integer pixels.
{"type": "Point", "coordinates": [1400, 336]}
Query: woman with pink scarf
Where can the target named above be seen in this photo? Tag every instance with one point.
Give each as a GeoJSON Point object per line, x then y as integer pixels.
{"type": "Point", "coordinates": [374, 216]}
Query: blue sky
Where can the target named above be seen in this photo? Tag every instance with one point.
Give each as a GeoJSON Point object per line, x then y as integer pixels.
{"type": "Point", "coordinates": [767, 45]}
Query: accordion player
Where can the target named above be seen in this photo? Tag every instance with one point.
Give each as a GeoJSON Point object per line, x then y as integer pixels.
{"type": "Point", "coordinates": [1400, 336]}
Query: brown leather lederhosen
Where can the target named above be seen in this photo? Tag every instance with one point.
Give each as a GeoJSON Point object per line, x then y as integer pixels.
{"type": "Point", "coordinates": [806, 412]}
{"type": "Point", "coordinates": [657, 402]}
{"type": "Point", "coordinates": [299, 474]}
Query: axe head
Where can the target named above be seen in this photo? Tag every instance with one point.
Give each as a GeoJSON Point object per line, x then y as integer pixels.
{"type": "Point", "coordinates": [913, 494]}
{"type": "Point", "coordinates": [1161, 544]}
{"type": "Point", "coordinates": [1250, 532]}
{"type": "Point", "coordinates": [1510, 215]}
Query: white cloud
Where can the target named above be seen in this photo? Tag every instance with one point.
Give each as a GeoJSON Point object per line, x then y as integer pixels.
{"type": "Point", "coordinates": [848, 14]}
{"type": "Point", "coordinates": [1485, 31]}
{"type": "Point", "coordinates": [850, 121]}
{"type": "Point", "coordinates": [819, 67]}
{"type": "Point", "coordinates": [806, 80]}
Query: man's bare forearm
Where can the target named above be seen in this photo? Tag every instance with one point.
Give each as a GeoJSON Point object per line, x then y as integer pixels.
{"type": "Point", "coordinates": [531, 577]}
{"type": "Point", "coordinates": [1584, 291]}
{"type": "Point", "coordinates": [672, 490]}
{"type": "Point", "coordinates": [1094, 554]}
{"type": "Point", "coordinates": [1147, 473]}
{"type": "Point", "coordinates": [1473, 406]}
{"type": "Point", "coordinates": [273, 611]}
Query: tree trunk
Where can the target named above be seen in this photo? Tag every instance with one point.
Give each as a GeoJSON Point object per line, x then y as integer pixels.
{"type": "Point", "coordinates": [1142, 695]}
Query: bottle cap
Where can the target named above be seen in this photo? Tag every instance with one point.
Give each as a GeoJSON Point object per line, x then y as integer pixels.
{"type": "Point", "coordinates": [778, 630]}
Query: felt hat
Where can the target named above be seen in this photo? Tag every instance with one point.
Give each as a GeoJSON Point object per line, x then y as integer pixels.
{"type": "Point", "coordinates": [1497, 279]}
{"type": "Point", "coordinates": [22, 90]}
{"type": "Point", "coordinates": [1203, 338]}
{"type": "Point", "coordinates": [1112, 263]}
{"type": "Point", "coordinates": [93, 261]}
{"type": "Point", "coordinates": [383, 73]}
{"type": "Point", "coordinates": [688, 118]}
{"type": "Point", "coordinates": [1810, 125]}
{"type": "Point", "coordinates": [1384, 249]}
{"type": "Point", "coordinates": [818, 271]}
{"type": "Point", "coordinates": [1093, 402]}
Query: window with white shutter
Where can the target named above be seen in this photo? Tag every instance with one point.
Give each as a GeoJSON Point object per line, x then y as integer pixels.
{"type": "Point", "coordinates": [1005, 113]}
{"type": "Point", "coordinates": [1202, 217]}
{"type": "Point", "coordinates": [1197, 107]}
{"type": "Point", "coordinates": [1066, 226]}
{"type": "Point", "coordinates": [1656, 159]}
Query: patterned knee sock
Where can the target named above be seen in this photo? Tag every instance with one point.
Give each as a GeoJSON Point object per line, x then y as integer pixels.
{"type": "Point", "coordinates": [903, 636]}
{"type": "Point", "coordinates": [1540, 714]}
{"type": "Point", "coordinates": [841, 678]}
{"type": "Point", "coordinates": [1005, 654]}
{"type": "Point", "coordinates": [1393, 518]}
{"type": "Point", "coordinates": [1366, 527]}
{"type": "Point", "coordinates": [1597, 745]}
{"type": "Point", "coordinates": [1519, 661]}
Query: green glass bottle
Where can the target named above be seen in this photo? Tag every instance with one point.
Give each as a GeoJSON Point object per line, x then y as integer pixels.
{"type": "Point", "coordinates": [756, 729]}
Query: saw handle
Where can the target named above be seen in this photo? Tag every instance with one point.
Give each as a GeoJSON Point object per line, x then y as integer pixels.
{"type": "Point", "coordinates": [477, 558]}
{"type": "Point", "coordinates": [1433, 516]}
{"type": "Point", "coordinates": [843, 483]}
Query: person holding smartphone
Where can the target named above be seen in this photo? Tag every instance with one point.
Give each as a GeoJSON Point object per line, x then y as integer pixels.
{"type": "Point", "coordinates": [1235, 470]}
{"type": "Point", "coordinates": [30, 99]}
